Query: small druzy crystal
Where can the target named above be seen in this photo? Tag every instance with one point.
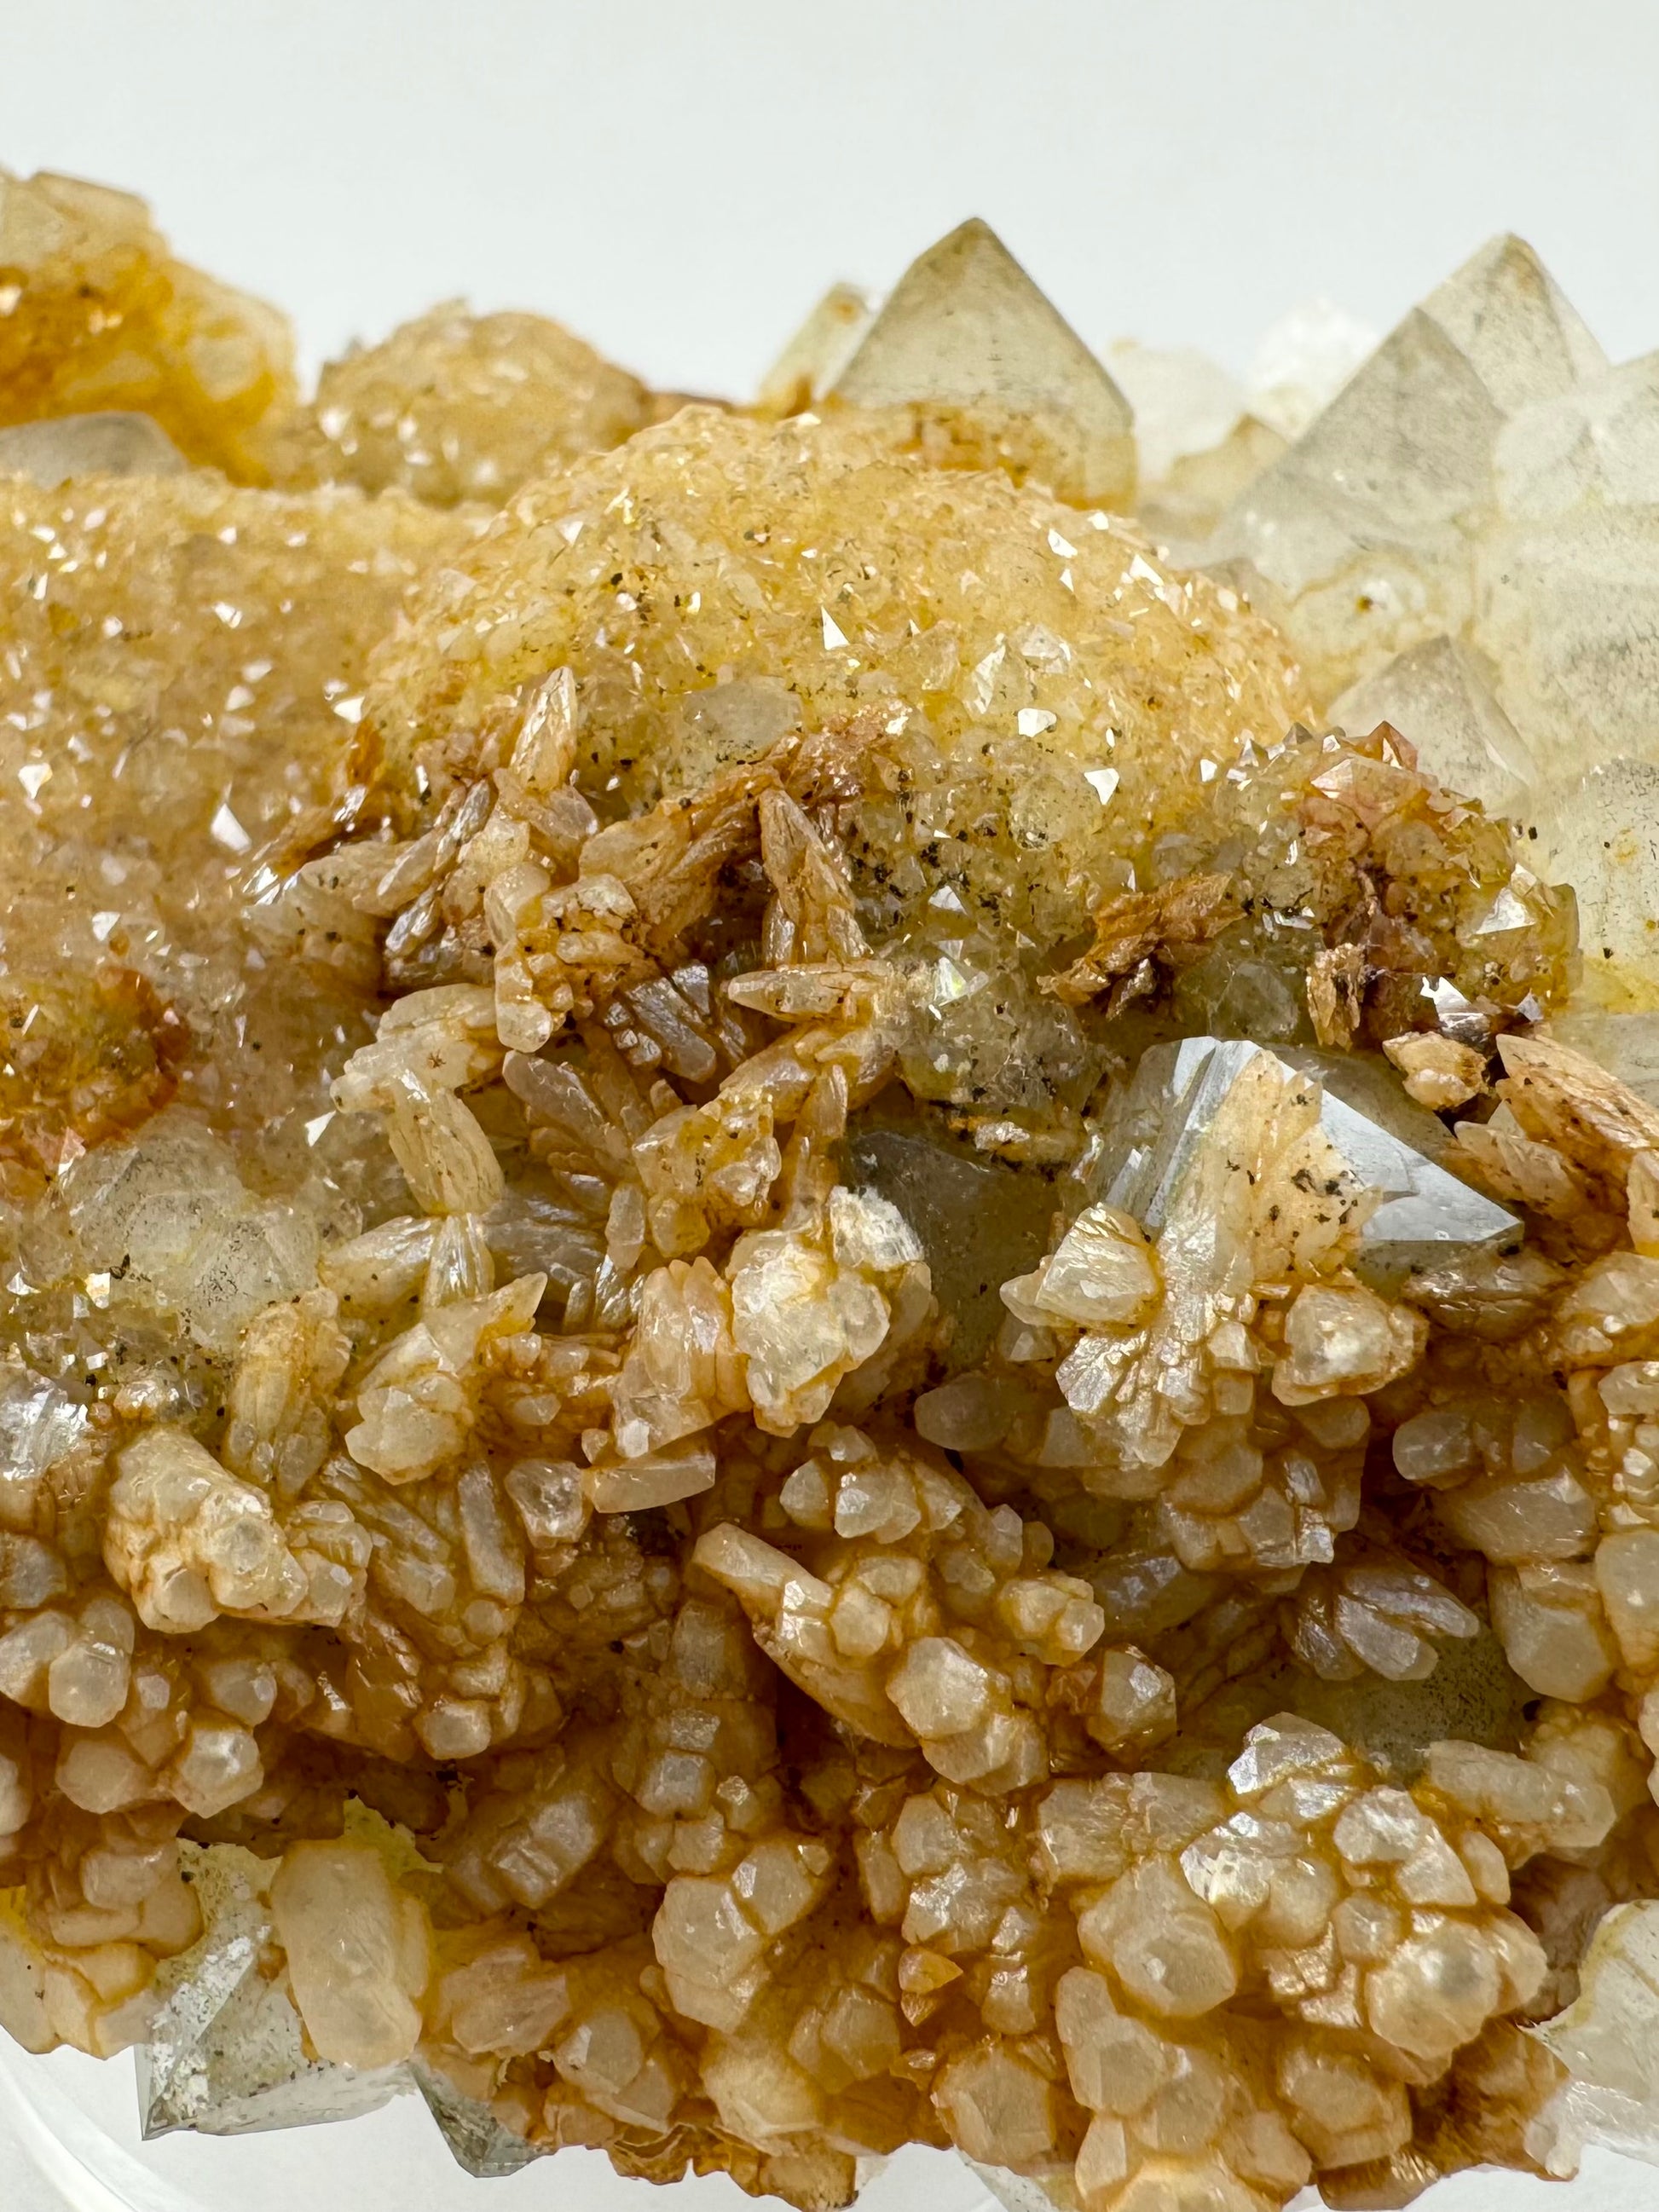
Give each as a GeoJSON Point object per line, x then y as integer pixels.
{"type": "Point", "coordinates": [830, 1294]}
{"type": "Point", "coordinates": [457, 407]}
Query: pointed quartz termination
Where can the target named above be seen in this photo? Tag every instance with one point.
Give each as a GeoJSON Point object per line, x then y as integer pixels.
{"type": "Point", "coordinates": [226, 2054]}
{"type": "Point", "coordinates": [1426, 1218]}
{"type": "Point", "coordinates": [1596, 445]}
{"type": "Point", "coordinates": [968, 340]}
{"type": "Point", "coordinates": [1608, 2040]}
{"type": "Point", "coordinates": [1439, 696]}
{"type": "Point", "coordinates": [804, 372]}
{"type": "Point", "coordinates": [477, 2142]}
{"type": "Point", "coordinates": [105, 445]}
{"type": "Point", "coordinates": [1358, 525]}
{"type": "Point", "coordinates": [1364, 527]}
{"type": "Point", "coordinates": [1015, 2192]}
{"type": "Point", "coordinates": [1509, 318]}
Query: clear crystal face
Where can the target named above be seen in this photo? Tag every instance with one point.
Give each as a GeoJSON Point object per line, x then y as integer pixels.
{"type": "Point", "coordinates": [226, 2053]}
{"type": "Point", "coordinates": [830, 1278]}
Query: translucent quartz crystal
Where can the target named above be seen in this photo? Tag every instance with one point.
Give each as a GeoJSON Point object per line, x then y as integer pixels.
{"type": "Point", "coordinates": [810, 1340]}
{"type": "Point", "coordinates": [99, 316]}
{"type": "Point", "coordinates": [1626, 1045]}
{"type": "Point", "coordinates": [1420, 1217]}
{"type": "Point", "coordinates": [1365, 526]}
{"type": "Point", "coordinates": [456, 406]}
{"type": "Point", "coordinates": [478, 2141]}
{"type": "Point", "coordinates": [226, 2054]}
{"type": "Point", "coordinates": [1567, 586]}
{"type": "Point", "coordinates": [980, 1223]}
{"type": "Point", "coordinates": [1472, 1697]}
{"type": "Point", "coordinates": [1439, 697]}
{"type": "Point", "coordinates": [967, 341]}
{"type": "Point", "coordinates": [1484, 481]}
{"type": "Point", "coordinates": [1598, 830]}
{"type": "Point", "coordinates": [1606, 2038]}
{"type": "Point", "coordinates": [1506, 315]}
{"type": "Point", "coordinates": [1592, 444]}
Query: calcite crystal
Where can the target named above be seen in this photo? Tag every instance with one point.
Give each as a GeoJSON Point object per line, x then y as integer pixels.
{"type": "Point", "coordinates": [829, 1307]}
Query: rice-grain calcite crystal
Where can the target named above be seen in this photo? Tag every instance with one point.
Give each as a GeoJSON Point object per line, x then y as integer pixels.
{"type": "Point", "coordinates": [830, 1295]}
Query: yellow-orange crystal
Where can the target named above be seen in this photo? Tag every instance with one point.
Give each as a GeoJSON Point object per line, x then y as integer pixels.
{"type": "Point", "coordinates": [789, 1284]}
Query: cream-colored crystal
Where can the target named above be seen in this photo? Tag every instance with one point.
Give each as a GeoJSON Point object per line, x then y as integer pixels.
{"type": "Point", "coordinates": [806, 369]}
{"type": "Point", "coordinates": [1437, 696]}
{"type": "Point", "coordinates": [455, 407]}
{"type": "Point", "coordinates": [100, 317]}
{"type": "Point", "coordinates": [862, 1369]}
{"type": "Point", "coordinates": [967, 343]}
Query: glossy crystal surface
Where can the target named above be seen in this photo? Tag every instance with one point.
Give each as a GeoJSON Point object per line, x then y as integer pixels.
{"type": "Point", "coordinates": [830, 1308]}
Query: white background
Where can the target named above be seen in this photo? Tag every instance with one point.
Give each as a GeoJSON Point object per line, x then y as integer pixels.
{"type": "Point", "coordinates": [678, 180]}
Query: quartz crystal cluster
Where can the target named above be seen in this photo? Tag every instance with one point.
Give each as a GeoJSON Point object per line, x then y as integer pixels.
{"type": "Point", "coordinates": [830, 1309]}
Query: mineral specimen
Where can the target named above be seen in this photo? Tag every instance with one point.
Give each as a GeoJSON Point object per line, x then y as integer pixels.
{"type": "Point", "coordinates": [226, 2054]}
{"type": "Point", "coordinates": [970, 354]}
{"type": "Point", "coordinates": [827, 1319]}
{"type": "Point", "coordinates": [96, 314]}
{"type": "Point", "coordinates": [457, 407]}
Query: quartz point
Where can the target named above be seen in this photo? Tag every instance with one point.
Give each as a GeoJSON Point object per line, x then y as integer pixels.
{"type": "Point", "coordinates": [1366, 526]}
{"type": "Point", "coordinates": [1595, 444]}
{"type": "Point", "coordinates": [1506, 314]}
{"type": "Point", "coordinates": [1439, 698]}
{"type": "Point", "coordinates": [226, 2054]}
{"type": "Point", "coordinates": [477, 2142]}
{"type": "Point", "coordinates": [966, 329]}
{"type": "Point", "coordinates": [683, 1321]}
{"type": "Point", "coordinates": [1568, 576]}
{"type": "Point", "coordinates": [1367, 509]}
{"type": "Point", "coordinates": [1426, 1217]}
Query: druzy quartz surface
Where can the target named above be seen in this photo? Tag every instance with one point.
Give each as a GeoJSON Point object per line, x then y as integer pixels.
{"type": "Point", "coordinates": [829, 1294]}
